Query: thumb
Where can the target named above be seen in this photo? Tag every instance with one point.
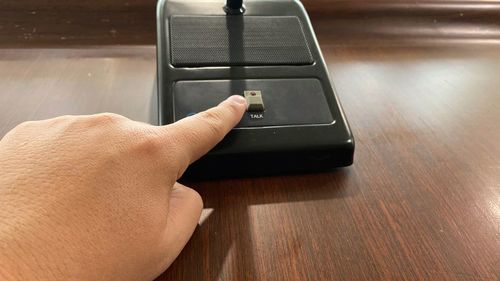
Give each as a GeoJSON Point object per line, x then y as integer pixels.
{"type": "Point", "coordinates": [183, 215]}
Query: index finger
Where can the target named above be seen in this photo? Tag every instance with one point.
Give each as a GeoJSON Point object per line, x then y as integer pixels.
{"type": "Point", "coordinates": [196, 135]}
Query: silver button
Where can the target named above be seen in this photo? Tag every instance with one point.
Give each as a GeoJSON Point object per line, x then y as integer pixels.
{"type": "Point", "coordinates": [254, 100]}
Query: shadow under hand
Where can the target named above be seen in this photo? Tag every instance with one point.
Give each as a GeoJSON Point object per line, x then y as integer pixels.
{"type": "Point", "coordinates": [221, 248]}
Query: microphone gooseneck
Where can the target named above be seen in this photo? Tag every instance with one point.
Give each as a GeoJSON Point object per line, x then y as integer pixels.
{"type": "Point", "coordinates": [234, 7]}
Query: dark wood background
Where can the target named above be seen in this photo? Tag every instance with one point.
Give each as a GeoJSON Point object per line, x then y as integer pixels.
{"type": "Point", "coordinates": [419, 82]}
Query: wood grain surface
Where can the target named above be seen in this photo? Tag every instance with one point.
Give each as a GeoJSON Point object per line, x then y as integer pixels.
{"type": "Point", "coordinates": [422, 200]}
{"type": "Point", "coordinates": [25, 23]}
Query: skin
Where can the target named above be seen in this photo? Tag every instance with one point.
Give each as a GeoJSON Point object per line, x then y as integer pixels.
{"type": "Point", "coordinates": [96, 197]}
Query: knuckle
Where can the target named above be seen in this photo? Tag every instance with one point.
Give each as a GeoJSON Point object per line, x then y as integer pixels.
{"type": "Point", "coordinates": [41, 126]}
{"type": "Point", "coordinates": [28, 127]}
{"type": "Point", "coordinates": [25, 125]}
{"type": "Point", "coordinates": [108, 117]}
{"type": "Point", "coordinates": [103, 119]}
{"type": "Point", "coordinates": [149, 144]}
{"type": "Point", "coordinates": [63, 122]}
{"type": "Point", "coordinates": [188, 137]}
{"type": "Point", "coordinates": [22, 129]}
{"type": "Point", "coordinates": [157, 144]}
{"type": "Point", "coordinates": [62, 118]}
{"type": "Point", "coordinates": [235, 109]}
{"type": "Point", "coordinates": [210, 115]}
{"type": "Point", "coordinates": [213, 121]}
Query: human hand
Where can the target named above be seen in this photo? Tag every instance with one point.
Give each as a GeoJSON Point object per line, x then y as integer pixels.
{"type": "Point", "coordinates": [96, 198]}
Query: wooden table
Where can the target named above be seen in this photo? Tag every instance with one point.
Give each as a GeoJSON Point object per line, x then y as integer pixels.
{"type": "Point", "coordinates": [422, 94]}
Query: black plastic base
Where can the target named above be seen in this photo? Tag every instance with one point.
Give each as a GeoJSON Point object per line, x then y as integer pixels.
{"type": "Point", "coordinates": [302, 129]}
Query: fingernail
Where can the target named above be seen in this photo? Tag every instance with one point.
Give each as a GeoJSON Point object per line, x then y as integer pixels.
{"type": "Point", "coordinates": [237, 99]}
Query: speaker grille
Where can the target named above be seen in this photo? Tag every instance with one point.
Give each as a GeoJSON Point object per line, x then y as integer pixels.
{"type": "Point", "coordinates": [237, 41]}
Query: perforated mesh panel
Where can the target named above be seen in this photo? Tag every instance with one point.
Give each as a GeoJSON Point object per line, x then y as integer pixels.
{"type": "Point", "coordinates": [237, 40]}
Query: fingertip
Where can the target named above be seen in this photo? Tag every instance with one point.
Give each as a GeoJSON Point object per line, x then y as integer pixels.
{"type": "Point", "coordinates": [236, 101]}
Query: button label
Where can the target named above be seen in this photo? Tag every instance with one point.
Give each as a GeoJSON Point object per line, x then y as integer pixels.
{"type": "Point", "coordinates": [256, 116]}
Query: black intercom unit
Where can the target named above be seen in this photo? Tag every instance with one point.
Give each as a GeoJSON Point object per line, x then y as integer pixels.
{"type": "Point", "coordinates": [267, 52]}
